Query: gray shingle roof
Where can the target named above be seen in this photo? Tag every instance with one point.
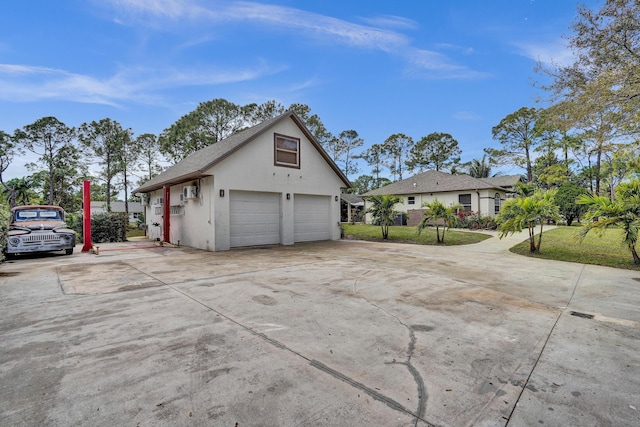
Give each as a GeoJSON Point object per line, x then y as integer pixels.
{"type": "Point", "coordinates": [353, 199]}
{"type": "Point", "coordinates": [117, 206]}
{"type": "Point", "coordinates": [432, 182]}
{"type": "Point", "coordinates": [196, 164]}
{"type": "Point", "coordinates": [503, 181]}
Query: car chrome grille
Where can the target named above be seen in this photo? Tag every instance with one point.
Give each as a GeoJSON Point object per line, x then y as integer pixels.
{"type": "Point", "coordinates": [38, 238]}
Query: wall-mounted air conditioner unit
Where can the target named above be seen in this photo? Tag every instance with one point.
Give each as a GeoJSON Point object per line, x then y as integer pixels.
{"type": "Point", "coordinates": [144, 200]}
{"type": "Point", "coordinates": [190, 192]}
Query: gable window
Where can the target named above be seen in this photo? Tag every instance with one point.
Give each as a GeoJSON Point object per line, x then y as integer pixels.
{"type": "Point", "coordinates": [287, 151]}
{"type": "Point", "coordinates": [465, 201]}
{"type": "Point", "coordinates": [411, 200]}
{"type": "Point", "coordinates": [496, 203]}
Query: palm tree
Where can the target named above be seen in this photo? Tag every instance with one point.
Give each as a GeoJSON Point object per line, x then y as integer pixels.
{"type": "Point", "coordinates": [18, 191]}
{"type": "Point", "coordinates": [382, 211]}
{"type": "Point", "coordinates": [525, 212]}
{"type": "Point", "coordinates": [438, 214]}
{"type": "Point", "coordinates": [525, 190]}
{"type": "Point", "coordinates": [624, 212]}
{"type": "Point", "coordinates": [480, 168]}
{"type": "Point", "coordinates": [23, 192]}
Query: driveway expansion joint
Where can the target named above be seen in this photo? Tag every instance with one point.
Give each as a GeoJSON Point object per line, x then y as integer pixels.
{"type": "Point", "coordinates": [544, 346]}
{"type": "Point", "coordinates": [326, 369]}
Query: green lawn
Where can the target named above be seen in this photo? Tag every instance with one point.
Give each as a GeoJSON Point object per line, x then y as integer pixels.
{"type": "Point", "coordinates": [563, 244]}
{"type": "Point", "coordinates": [134, 232]}
{"type": "Point", "coordinates": [406, 234]}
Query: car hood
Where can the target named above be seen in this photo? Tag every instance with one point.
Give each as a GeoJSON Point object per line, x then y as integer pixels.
{"type": "Point", "coordinates": [38, 225]}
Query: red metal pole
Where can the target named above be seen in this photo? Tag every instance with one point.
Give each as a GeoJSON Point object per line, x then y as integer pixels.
{"type": "Point", "coordinates": [86, 220]}
{"type": "Point", "coordinates": [167, 214]}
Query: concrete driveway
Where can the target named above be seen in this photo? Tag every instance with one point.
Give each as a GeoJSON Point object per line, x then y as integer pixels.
{"type": "Point", "coordinates": [321, 334]}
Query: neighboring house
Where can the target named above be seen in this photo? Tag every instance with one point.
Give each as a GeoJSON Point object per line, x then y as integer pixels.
{"type": "Point", "coordinates": [351, 208]}
{"type": "Point", "coordinates": [135, 208]}
{"type": "Point", "coordinates": [483, 196]}
{"type": "Point", "coordinates": [508, 182]}
{"type": "Point", "coordinates": [269, 184]}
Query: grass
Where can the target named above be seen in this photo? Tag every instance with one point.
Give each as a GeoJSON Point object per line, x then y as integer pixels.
{"type": "Point", "coordinates": [560, 244]}
{"type": "Point", "coordinates": [134, 232]}
{"type": "Point", "coordinates": [405, 234]}
{"type": "Point", "coordinates": [563, 244]}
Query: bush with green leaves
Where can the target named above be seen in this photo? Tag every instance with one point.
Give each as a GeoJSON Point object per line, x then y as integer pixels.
{"type": "Point", "coordinates": [475, 221]}
{"type": "Point", "coordinates": [4, 227]}
{"type": "Point", "coordinates": [566, 197]}
{"type": "Point", "coordinates": [105, 227]}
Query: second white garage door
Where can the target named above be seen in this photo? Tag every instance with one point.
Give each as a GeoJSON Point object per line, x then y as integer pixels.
{"type": "Point", "coordinates": [254, 218]}
{"type": "Point", "coordinates": [311, 218]}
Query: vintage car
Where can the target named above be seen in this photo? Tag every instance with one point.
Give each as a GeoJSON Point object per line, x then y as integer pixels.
{"type": "Point", "coordinates": [38, 228]}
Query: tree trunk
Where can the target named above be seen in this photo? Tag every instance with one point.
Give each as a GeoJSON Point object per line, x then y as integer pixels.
{"type": "Point", "coordinates": [539, 238]}
{"type": "Point", "coordinates": [636, 258]}
{"type": "Point", "coordinates": [11, 191]}
{"type": "Point", "coordinates": [532, 239]}
{"type": "Point", "coordinates": [598, 168]}
{"type": "Point", "coordinates": [529, 169]}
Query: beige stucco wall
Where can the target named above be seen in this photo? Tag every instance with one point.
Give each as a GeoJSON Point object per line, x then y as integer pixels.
{"type": "Point", "coordinates": [204, 223]}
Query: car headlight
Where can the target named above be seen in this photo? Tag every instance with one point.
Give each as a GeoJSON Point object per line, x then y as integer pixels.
{"type": "Point", "coordinates": [14, 241]}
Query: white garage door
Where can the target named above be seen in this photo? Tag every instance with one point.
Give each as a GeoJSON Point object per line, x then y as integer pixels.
{"type": "Point", "coordinates": [255, 218]}
{"type": "Point", "coordinates": [311, 218]}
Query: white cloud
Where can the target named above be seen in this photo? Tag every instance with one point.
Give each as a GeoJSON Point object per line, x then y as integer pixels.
{"type": "Point", "coordinates": [391, 21]}
{"type": "Point", "coordinates": [454, 47]}
{"type": "Point", "coordinates": [551, 53]}
{"type": "Point", "coordinates": [31, 83]}
{"type": "Point", "coordinates": [439, 66]}
{"type": "Point", "coordinates": [309, 23]}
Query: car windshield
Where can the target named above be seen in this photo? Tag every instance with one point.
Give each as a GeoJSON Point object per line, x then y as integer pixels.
{"type": "Point", "coordinates": [38, 214]}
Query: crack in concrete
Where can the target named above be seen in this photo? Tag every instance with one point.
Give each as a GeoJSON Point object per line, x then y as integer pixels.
{"type": "Point", "coordinates": [422, 390]}
{"type": "Point", "coordinates": [314, 363]}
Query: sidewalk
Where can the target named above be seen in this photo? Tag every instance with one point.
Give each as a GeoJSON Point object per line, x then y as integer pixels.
{"type": "Point", "coordinates": [497, 245]}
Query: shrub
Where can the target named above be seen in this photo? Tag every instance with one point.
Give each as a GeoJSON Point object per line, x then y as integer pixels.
{"type": "Point", "coordinates": [4, 227]}
{"type": "Point", "coordinates": [105, 227]}
{"type": "Point", "coordinates": [475, 221]}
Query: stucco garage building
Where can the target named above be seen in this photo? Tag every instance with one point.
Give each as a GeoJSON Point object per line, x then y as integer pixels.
{"type": "Point", "coordinates": [269, 184]}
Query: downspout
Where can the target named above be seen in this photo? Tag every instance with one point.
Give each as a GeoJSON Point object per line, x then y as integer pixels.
{"type": "Point", "coordinates": [166, 213]}
{"type": "Point", "coordinates": [478, 193]}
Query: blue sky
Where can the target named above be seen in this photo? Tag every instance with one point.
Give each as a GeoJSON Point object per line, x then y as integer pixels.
{"type": "Point", "coordinates": [378, 67]}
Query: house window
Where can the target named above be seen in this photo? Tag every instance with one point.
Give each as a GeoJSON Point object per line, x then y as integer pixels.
{"type": "Point", "coordinates": [496, 204]}
{"type": "Point", "coordinates": [465, 201]}
{"type": "Point", "coordinates": [287, 151]}
{"type": "Point", "coordinates": [411, 200]}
